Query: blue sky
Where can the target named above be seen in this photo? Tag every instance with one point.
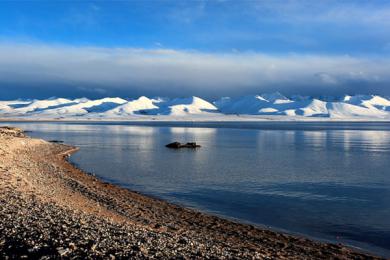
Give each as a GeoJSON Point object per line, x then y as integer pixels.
{"type": "Point", "coordinates": [218, 48]}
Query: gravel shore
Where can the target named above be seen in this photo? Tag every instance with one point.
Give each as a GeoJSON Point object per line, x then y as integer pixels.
{"type": "Point", "coordinates": [49, 208]}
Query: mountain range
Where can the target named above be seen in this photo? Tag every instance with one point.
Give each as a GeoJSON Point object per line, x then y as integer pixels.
{"type": "Point", "coordinates": [365, 107]}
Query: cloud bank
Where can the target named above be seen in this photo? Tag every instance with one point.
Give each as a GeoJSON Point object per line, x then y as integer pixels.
{"type": "Point", "coordinates": [42, 70]}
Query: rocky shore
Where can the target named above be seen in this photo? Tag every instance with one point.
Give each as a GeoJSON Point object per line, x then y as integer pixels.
{"type": "Point", "coordinates": [48, 208]}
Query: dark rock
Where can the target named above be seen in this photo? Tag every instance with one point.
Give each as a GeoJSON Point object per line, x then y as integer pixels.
{"type": "Point", "coordinates": [182, 241]}
{"type": "Point", "coordinates": [56, 141]}
{"type": "Point", "coordinates": [191, 145]}
{"type": "Point", "coordinates": [174, 145]}
{"type": "Point", "coordinates": [177, 145]}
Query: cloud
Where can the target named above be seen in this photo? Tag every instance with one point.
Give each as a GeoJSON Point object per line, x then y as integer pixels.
{"type": "Point", "coordinates": [327, 79]}
{"type": "Point", "coordinates": [131, 71]}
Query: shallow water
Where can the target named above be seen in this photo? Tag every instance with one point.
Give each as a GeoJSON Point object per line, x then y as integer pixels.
{"type": "Point", "coordinates": [329, 181]}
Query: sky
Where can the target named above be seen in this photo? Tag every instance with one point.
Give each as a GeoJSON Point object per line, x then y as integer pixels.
{"type": "Point", "coordinates": [208, 48]}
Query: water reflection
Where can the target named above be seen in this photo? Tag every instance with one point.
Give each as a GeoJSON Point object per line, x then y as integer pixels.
{"type": "Point", "coordinates": [195, 132]}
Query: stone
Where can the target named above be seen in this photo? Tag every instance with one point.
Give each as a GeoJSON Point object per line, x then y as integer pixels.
{"type": "Point", "coordinates": [177, 145]}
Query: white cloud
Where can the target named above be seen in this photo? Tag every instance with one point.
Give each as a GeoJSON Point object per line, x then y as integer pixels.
{"type": "Point", "coordinates": [186, 71]}
{"type": "Point", "coordinates": [327, 79]}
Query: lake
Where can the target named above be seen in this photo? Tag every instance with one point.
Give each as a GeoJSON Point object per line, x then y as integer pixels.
{"type": "Point", "coordinates": [329, 181]}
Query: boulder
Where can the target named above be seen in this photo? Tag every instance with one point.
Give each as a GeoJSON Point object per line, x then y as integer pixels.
{"type": "Point", "coordinates": [177, 145]}
{"type": "Point", "coordinates": [174, 145]}
{"type": "Point", "coordinates": [191, 145]}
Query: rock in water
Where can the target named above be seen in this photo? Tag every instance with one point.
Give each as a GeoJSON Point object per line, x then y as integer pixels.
{"type": "Point", "coordinates": [191, 145]}
{"type": "Point", "coordinates": [174, 145]}
{"type": "Point", "coordinates": [177, 145]}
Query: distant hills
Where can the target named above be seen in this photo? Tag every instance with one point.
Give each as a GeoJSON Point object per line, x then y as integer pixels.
{"type": "Point", "coordinates": [365, 107]}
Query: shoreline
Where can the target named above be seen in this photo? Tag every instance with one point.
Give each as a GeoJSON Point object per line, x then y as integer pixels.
{"type": "Point", "coordinates": [92, 218]}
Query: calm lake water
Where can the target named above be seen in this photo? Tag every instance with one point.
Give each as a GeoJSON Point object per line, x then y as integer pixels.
{"type": "Point", "coordinates": [329, 181]}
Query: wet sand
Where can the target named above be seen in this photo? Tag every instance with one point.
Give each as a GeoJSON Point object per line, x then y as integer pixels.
{"type": "Point", "coordinates": [49, 209]}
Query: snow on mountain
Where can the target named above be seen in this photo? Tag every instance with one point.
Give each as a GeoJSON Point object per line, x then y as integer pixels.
{"type": "Point", "coordinates": [275, 97]}
{"type": "Point", "coordinates": [277, 104]}
{"type": "Point", "coordinates": [369, 101]}
{"type": "Point", "coordinates": [344, 110]}
{"type": "Point", "coordinates": [256, 106]}
{"type": "Point", "coordinates": [102, 105]}
{"type": "Point", "coordinates": [85, 106]}
{"type": "Point", "coordinates": [250, 105]}
{"type": "Point", "coordinates": [266, 104]}
{"type": "Point", "coordinates": [309, 108]}
{"type": "Point", "coordinates": [39, 105]}
{"type": "Point", "coordinates": [139, 106]}
{"type": "Point", "coordinates": [185, 106]}
{"type": "Point", "coordinates": [7, 107]}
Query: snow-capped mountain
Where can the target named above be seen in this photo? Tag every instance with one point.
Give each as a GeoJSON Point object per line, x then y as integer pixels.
{"type": "Point", "coordinates": [81, 107]}
{"type": "Point", "coordinates": [276, 104]}
{"type": "Point", "coordinates": [186, 106]}
{"type": "Point", "coordinates": [365, 107]}
{"type": "Point", "coordinates": [142, 105]}
{"type": "Point", "coordinates": [40, 105]}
